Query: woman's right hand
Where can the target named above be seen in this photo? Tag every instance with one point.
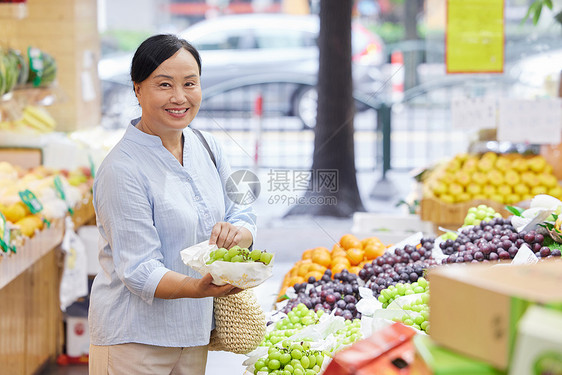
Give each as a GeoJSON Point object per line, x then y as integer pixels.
{"type": "Point", "coordinates": [207, 289]}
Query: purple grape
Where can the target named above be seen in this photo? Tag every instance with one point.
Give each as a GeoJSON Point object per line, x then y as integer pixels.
{"type": "Point", "coordinates": [529, 238]}
{"type": "Point", "coordinates": [493, 256]}
{"type": "Point", "coordinates": [351, 307]}
{"type": "Point", "coordinates": [504, 254]}
{"type": "Point", "coordinates": [479, 256]}
{"type": "Point", "coordinates": [555, 252]}
{"type": "Point", "coordinates": [544, 252]}
{"type": "Point", "coordinates": [537, 247]}
{"type": "Point", "coordinates": [415, 256]}
{"type": "Point", "coordinates": [331, 299]}
{"type": "Point", "coordinates": [539, 238]}
{"type": "Point", "coordinates": [512, 251]}
{"type": "Point", "coordinates": [348, 315]}
{"type": "Point", "coordinates": [341, 304]}
{"type": "Point", "coordinates": [506, 244]}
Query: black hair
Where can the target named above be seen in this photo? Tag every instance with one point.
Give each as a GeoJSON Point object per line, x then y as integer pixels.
{"type": "Point", "coordinates": [154, 51]}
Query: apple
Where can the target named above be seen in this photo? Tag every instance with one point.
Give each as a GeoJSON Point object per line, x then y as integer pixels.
{"type": "Point", "coordinates": [464, 197]}
{"type": "Point", "coordinates": [521, 189]}
{"type": "Point", "coordinates": [491, 156]}
{"type": "Point", "coordinates": [519, 164]}
{"type": "Point", "coordinates": [484, 165]}
{"type": "Point", "coordinates": [556, 192]}
{"type": "Point", "coordinates": [479, 178]}
{"type": "Point", "coordinates": [455, 189]}
{"type": "Point", "coordinates": [447, 198]}
{"type": "Point", "coordinates": [474, 188]}
{"type": "Point", "coordinates": [502, 163]}
{"type": "Point", "coordinates": [438, 188]}
{"type": "Point", "coordinates": [489, 190]}
{"type": "Point", "coordinates": [497, 198]}
{"type": "Point", "coordinates": [530, 179]}
{"type": "Point", "coordinates": [504, 190]}
{"type": "Point", "coordinates": [536, 163]}
{"type": "Point", "coordinates": [511, 177]}
{"type": "Point", "coordinates": [470, 165]}
{"type": "Point", "coordinates": [548, 180]}
{"type": "Point", "coordinates": [536, 190]}
{"type": "Point", "coordinates": [453, 166]}
{"type": "Point", "coordinates": [462, 178]}
{"type": "Point", "coordinates": [512, 198]}
{"type": "Point", "coordinates": [495, 177]}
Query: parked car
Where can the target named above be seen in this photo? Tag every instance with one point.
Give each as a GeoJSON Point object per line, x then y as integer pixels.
{"type": "Point", "coordinates": [241, 51]}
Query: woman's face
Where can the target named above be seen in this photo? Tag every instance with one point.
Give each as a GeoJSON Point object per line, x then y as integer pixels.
{"type": "Point", "coordinates": [171, 96]}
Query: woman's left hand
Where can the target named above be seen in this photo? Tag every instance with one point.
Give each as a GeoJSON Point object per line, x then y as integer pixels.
{"type": "Point", "coordinates": [227, 235]}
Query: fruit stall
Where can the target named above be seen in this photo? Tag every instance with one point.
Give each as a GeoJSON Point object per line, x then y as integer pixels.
{"type": "Point", "coordinates": [363, 305]}
{"type": "Point", "coordinates": [34, 203]}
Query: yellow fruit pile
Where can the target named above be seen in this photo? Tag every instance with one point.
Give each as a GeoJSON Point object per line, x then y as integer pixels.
{"type": "Point", "coordinates": [349, 253]}
{"type": "Point", "coordinates": [504, 178]}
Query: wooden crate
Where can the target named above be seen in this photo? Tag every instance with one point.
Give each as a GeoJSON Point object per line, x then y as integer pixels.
{"type": "Point", "coordinates": [451, 215]}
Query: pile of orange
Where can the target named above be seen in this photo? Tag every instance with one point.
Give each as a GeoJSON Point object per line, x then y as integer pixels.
{"type": "Point", "coordinates": [349, 253]}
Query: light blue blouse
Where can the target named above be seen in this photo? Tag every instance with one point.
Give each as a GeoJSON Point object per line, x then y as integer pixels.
{"type": "Point", "coordinates": [149, 208]}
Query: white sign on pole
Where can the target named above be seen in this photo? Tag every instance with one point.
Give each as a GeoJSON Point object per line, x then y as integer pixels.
{"type": "Point", "coordinates": [530, 121]}
{"type": "Point", "coordinates": [474, 113]}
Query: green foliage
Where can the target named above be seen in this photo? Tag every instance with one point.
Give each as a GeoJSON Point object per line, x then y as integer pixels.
{"type": "Point", "coordinates": [535, 10]}
{"type": "Point", "coordinates": [389, 32]}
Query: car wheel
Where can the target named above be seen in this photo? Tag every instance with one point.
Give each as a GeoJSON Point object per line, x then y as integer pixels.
{"type": "Point", "coordinates": [306, 105]}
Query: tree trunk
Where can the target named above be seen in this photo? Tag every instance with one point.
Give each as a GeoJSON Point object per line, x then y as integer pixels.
{"type": "Point", "coordinates": [334, 181]}
{"type": "Point", "coordinates": [412, 58]}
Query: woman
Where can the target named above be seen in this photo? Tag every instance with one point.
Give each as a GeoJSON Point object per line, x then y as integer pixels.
{"type": "Point", "coordinates": [157, 192]}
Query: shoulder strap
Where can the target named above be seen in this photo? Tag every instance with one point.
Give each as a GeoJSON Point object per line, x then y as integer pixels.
{"type": "Point", "coordinates": [205, 144]}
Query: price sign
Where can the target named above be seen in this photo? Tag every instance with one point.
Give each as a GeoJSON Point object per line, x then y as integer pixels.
{"type": "Point", "coordinates": [474, 39]}
{"type": "Point", "coordinates": [31, 201]}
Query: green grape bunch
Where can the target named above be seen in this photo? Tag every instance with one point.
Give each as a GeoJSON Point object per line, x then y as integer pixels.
{"type": "Point", "coordinates": [237, 254]}
{"type": "Point", "coordinates": [476, 215]}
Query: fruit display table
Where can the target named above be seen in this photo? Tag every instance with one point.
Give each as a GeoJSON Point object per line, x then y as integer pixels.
{"type": "Point", "coordinates": [31, 331]}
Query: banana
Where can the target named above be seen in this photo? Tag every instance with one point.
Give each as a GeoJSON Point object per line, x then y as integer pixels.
{"type": "Point", "coordinates": [41, 115]}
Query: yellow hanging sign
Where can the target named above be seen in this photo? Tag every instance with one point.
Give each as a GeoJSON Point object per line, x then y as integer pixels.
{"type": "Point", "coordinates": [474, 39]}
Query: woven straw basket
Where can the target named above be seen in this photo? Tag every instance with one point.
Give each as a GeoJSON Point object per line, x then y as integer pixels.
{"type": "Point", "coordinates": [239, 323]}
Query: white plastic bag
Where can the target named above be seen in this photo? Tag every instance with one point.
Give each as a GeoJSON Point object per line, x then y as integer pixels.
{"type": "Point", "coordinates": [74, 283]}
{"type": "Point", "coordinates": [241, 275]}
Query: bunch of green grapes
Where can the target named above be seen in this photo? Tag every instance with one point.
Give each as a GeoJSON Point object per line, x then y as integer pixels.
{"type": "Point", "coordinates": [476, 215]}
{"type": "Point", "coordinates": [417, 313]}
{"type": "Point", "coordinates": [239, 254]}
{"type": "Point", "coordinates": [448, 235]}
{"type": "Point", "coordinates": [348, 335]}
{"type": "Point", "coordinates": [292, 358]}
{"type": "Point", "coordinates": [298, 318]}
{"type": "Point", "coordinates": [394, 291]}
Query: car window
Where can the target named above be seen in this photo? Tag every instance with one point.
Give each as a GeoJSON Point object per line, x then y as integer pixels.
{"type": "Point", "coordinates": [277, 38]}
{"type": "Point", "coordinates": [232, 39]}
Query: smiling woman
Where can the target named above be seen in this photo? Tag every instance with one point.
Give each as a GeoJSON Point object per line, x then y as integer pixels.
{"type": "Point", "coordinates": [156, 193]}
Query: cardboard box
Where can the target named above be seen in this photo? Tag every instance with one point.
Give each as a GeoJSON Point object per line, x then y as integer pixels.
{"type": "Point", "coordinates": [474, 308]}
{"type": "Point", "coordinates": [539, 343]}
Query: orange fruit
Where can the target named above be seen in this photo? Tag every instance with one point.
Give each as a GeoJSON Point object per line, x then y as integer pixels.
{"type": "Point", "coordinates": [348, 241]}
{"type": "Point", "coordinates": [338, 268]}
{"type": "Point", "coordinates": [373, 251]}
{"type": "Point", "coordinates": [355, 269]}
{"type": "Point", "coordinates": [337, 247]}
{"type": "Point", "coordinates": [295, 280]}
{"type": "Point", "coordinates": [317, 275]}
{"type": "Point", "coordinates": [371, 241]}
{"type": "Point", "coordinates": [303, 269]}
{"type": "Point", "coordinates": [307, 254]}
{"type": "Point", "coordinates": [322, 258]}
{"type": "Point", "coordinates": [340, 260]}
{"type": "Point", "coordinates": [355, 256]}
{"type": "Point", "coordinates": [319, 267]}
